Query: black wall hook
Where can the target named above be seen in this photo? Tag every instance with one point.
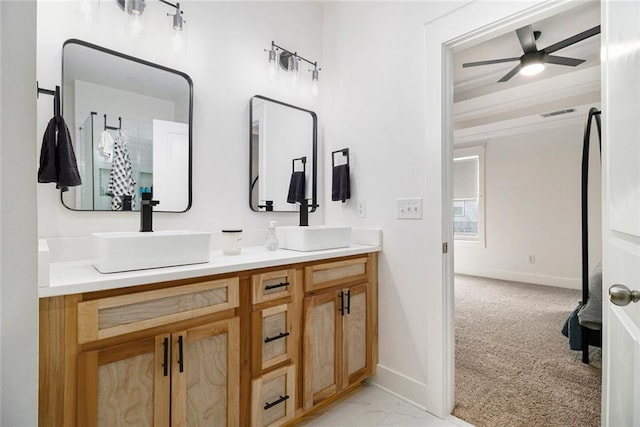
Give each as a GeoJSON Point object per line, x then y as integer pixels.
{"type": "Point", "coordinates": [113, 127]}
{"type": "Point", "coordinates": [345, 153]}
{"type": "Point", "coordinates": [56, 97]}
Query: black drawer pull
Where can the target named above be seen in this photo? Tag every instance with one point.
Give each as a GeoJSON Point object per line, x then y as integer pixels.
{"type": "Point", "coordinates": [276, 402]}
{"type": "Point", "coordinates": [279, 285]}
{"type": "Point", "coordinates": [277, 337]}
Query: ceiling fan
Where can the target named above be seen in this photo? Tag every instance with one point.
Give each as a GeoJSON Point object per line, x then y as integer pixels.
{"type": "Point", "coordinates": [533, 59]}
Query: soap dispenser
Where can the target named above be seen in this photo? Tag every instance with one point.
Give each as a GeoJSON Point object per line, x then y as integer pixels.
{"type": "Point", "coordinates": [272, 240]}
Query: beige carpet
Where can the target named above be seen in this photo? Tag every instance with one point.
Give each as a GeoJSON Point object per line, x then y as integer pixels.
{"type": "Point", "coordinates": [513, 366]}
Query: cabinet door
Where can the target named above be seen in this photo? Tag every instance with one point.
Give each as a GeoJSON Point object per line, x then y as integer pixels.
{"type": "Point", "coordinates": [321, 348]}
{"type": "Point", "coordinates": [206, 375]}
{"type": "Point", "coordinates": [356, 336]}
{"type": "Point", "coordinates": [125, 385]}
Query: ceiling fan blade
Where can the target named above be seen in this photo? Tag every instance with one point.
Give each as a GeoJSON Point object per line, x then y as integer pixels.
{"type": "Point", "coordinates": [510, 74]}
{"type": "Point", "coordinates": [491, 61]}
{"type": "Point", "coordinates": [563, 60]}
{"type": "Point", "coordinates": [527, 39]}
{"type": "Point", "coordinates": [572, 40]}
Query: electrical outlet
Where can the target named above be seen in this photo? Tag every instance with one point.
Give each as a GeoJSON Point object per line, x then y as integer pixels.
{"type": "Point", "coordinates": [532, 259]}
{"type": "Point", "coordinates": [362, 208]}
{"type": "Point", "coordinates": [410, 208]}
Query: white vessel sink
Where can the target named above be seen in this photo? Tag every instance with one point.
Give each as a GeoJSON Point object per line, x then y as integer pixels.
{"type": "Point", "coordinates": [313, 237]}
{"type": "Point", "coordinates": [131, 250]}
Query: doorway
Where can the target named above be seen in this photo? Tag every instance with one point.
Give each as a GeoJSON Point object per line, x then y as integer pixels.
{"type": "Point", "coordinates": [492, 130]}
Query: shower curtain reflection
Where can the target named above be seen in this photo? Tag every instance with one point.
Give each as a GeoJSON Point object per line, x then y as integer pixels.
{"type": "Point", "coordinates": [95, 164]}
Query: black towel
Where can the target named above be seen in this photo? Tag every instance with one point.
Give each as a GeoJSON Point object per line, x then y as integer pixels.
{"type": "Point", "coordinates": [57, 159]}
{"type": "Point", "coordinates": [296, 188]}
{"type": "Point", "coordinates": [341, 187]}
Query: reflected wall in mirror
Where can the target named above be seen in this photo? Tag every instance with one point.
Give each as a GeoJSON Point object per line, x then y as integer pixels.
{"type": "Point", "coordinates": [283, 141]}
{"type": "Point", "coordinates": [125, 113]}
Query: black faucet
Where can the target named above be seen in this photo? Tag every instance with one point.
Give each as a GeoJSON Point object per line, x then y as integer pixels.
{"type": "Point", "coordinates": [146, 212]}
{"type": "Point", "coordinates": [304, 213]}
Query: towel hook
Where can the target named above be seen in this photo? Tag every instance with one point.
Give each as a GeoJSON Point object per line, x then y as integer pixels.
{"type": "Point", "coordinates": [302, 159]}
{"type": "Point", "coordinates": [345, 153]}
{"type": "Point", "coordinates": [113, 127]}
{"type": "Point", "coordinates": [56, 97]}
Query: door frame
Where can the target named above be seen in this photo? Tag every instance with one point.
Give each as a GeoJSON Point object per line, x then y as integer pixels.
{"type": "Point", "coordinates": [449, 48]}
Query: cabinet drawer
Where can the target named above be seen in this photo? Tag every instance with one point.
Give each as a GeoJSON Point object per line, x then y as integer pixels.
{"type": "Point", "coordinates": [273, 285]}
{"type": "Point", "coordinates": [113, 316]}
{"type": "Point", "coordinates": [330, 274]}
{"type": "Point", "coordinates": [273, 397]}
{"type": "Point", "coordinates": [273, 337]}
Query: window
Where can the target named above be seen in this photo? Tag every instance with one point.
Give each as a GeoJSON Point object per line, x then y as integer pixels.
{"type": "Point", "coordinates": [468, 195]}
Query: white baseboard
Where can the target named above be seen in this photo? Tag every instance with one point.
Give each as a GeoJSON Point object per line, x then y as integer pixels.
{"type": "Point", "coordinates": [519, 276]}
{"type": "Point", "coordinates": [405, 388]}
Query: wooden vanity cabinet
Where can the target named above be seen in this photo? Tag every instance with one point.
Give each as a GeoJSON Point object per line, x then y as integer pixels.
{"type": "Point", "coordinates": [184, 378]}
{"type": "Point", "coordinates": [340, 327]}
{"type": "Point", "coordinates": [337, 342]}
{"type": "Point", "coordinates": [165, 354]}
{"type": "Point", "coordinates": [261, 347]}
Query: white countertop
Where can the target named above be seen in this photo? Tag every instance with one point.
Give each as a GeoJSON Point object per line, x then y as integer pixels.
{"type": "Point", "coordinates": [66, 278]}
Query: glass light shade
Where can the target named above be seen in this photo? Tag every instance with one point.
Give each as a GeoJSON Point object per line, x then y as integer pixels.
{"type": "Point", "coordinates": [273, 70]}
{"type": "Point", "coordinates": [179, 40]}
{"type": "Point", "coordinates": [293, 69]}
{"type": "Point", "coordinates": [532, 68]}
{"type": "Point", "coordinates": [90, 9]}
{"type": "Point", "coordinates": [273, 63]}
{"type": "Point", "coordinates": [314, 81]}
{"type": "Point", "coordinates": [135, 18]}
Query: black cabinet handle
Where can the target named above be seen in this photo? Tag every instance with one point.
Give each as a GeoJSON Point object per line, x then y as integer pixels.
{"type": "Point", "coordinates": [349, 302]}
{"type": "Point", "coordinates": [180, 353]}
{"type": "Point", "coordinates": [165, 360]}
{"type": "Point", "coordinates": [279, 285]}
{"type": "Point", "coordinates": [341, 303]}
{"type": "Point", "coordinates": [276, 402]}
{"type": "Point", "coordinates": [277, 337]}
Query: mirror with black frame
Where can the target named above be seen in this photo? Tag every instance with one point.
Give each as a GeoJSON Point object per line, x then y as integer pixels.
{"type": "Point", "coordinates": [131, 123]}
{"type": "Point", "coordinates": [283, 146]}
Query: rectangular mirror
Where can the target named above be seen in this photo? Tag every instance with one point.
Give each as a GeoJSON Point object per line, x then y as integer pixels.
{"type": "Point", "coordinates": [126, 114]}
{"type": "Point", "coordinates": [283, 141]}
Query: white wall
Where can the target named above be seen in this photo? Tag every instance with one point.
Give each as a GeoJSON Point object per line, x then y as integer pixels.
{"type": "Point", "coordinates": [227, 64]}
{"type": "Point", "coordinates": [384, 102]}
{"type": "Point", "coordinates": [18, 250]}
{"type": "Point", "coordinates": [532, 199]}
{"type": "Point", "coordinates": [375, 106]}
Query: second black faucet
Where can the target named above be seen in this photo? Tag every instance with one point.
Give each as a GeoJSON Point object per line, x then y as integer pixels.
{"type": "Point", "coordinates": [146, 212]}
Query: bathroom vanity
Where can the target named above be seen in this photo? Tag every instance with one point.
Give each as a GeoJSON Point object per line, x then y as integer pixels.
{"type": "Point", "coordinates": [259, 339]}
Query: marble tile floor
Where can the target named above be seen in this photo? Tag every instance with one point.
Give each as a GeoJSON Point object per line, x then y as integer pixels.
{"type": "Point", "coordinates": [372, 406]}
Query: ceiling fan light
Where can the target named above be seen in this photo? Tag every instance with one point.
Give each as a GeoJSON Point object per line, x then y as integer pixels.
{"type": "Point", "coordinates": [532, 69]}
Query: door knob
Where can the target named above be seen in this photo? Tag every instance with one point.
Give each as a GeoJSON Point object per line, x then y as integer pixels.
{"type": "Point", "coordinates": [621, 295]}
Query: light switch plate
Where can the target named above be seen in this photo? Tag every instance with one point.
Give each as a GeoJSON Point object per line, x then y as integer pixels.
{"type": "Point", "coordinates": [362, 208]}
{"type": "Point", "coordinates": [410, 208]}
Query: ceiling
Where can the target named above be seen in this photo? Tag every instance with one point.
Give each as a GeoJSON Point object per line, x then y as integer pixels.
{"type": "Point", "coordinates": [476, 89]}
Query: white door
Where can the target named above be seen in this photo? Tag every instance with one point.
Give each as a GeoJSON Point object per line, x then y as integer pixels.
{"type": "Point", "coordinates": [621, 205]}
{"type": "Point", "coordinates": [171, 165]}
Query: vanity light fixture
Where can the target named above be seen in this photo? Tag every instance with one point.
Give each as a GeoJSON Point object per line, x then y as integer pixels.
{"type": "Point", "coordinates": [289, 62]}
{"type": "Point", "coordinates": [135, 25]}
